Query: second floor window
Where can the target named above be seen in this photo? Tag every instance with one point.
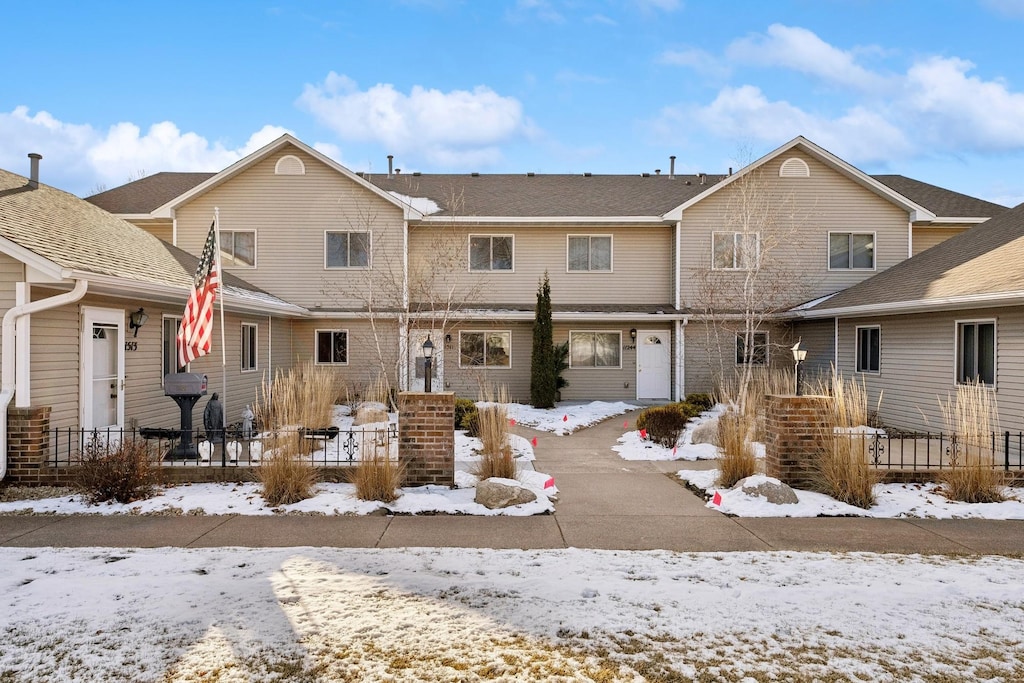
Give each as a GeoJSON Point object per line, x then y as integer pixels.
{"type": "Point", "coordinates": [490, 252]}
{"type": "Point", "coordinates": [735, 250]}
{"type": "Point", "coordinates": [757, 354]}
{"type": "Point", "coordinates": [347, 249]}
{"type": "Point", "coordinates": [976, 352]}
{"type": "Point", "coordinates": [589, 253]}
{"type": "Point", "coordinates": [238, 248]}
{"type": "Point", "coordinates": [248, 347]}
{"type": "Point", "coordinates": [851, 251]}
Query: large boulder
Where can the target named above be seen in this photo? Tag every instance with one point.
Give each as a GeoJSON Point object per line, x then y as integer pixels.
{"type": "Point", "coordinates": [497, 493]}
{"type": "Point", "coordinates": [773, 491]}
{"type": "Point", "coordinates": [706, 432]}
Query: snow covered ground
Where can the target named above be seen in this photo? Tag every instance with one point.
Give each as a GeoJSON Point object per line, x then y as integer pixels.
{"type": "Point", "coordinates": [304, 614]}
{"type": "Point", "coordinates": [566, 418]}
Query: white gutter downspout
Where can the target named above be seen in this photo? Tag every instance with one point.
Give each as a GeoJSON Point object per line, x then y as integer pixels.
{"type": "Point", "coordinates": [8, 354]}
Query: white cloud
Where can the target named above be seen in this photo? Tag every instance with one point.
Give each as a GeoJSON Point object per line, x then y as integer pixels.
{"type": "Point", "coordinates": [601, 19]}
{"type": "Point", "coordinates": [701, 61]}
{"type": "Point", "coordinates": [541, 9]}
{"type": "Point", "coordinates": [660, 5]}
{"type": "Point", "coordinates": [453, 128]}
{"type": "Point", "coordinates": [80, 158]}
{"type": "Point", "coordinates": [801, 50]}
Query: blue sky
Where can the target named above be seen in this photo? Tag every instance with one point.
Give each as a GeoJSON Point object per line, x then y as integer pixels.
{"type": "Point", "coordinates": [105, 91]}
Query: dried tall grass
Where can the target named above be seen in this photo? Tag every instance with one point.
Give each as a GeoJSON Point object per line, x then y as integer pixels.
{"type": "Point", "coordinates": [377, 476]}
{"type": "Point", "coordinates": [970, 418]}
{"type": "Point", "coordinates": [287, 475]}
{"type": "Point", "coordinates": [843, 470]}
{"type": "Point", "coordinates": [379, 391]}
{"type": "Point", "coordinates": [303, 396]}
{"type": "Point", "coordinates": [496, 455]}
{"type": "Point", "coordinates": [738, 459]}
{"type": "Point", "coordinates": [751, 399]}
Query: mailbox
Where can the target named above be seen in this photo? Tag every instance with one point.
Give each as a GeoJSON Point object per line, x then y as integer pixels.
{"type": "Point", "coordinates": [185, 384]}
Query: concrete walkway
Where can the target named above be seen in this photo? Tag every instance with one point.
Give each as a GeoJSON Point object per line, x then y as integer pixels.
{"type": "Point", "coordinates": [605, 502]}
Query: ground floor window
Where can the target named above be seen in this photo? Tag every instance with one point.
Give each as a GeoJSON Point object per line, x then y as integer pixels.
{"type": "Point", "coordinates": [332, 347]}
{"type": "Point", "coordinates": [976, 352]}
{"type": "Point", "coordinates": [492, 349]}
{"type": "Point", "coordinates": [248, 347]}
{"type": "Point", "coordinates": [869, 348]}
{"type": "Point", "coordinates": [169, 347]}
{"type": "Point", "coordinates": [757, 354]}
{"type": "Point", "coordinates": [595, 349]}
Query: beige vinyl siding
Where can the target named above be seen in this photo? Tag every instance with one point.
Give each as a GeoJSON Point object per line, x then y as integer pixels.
{"type": "Point", "coordinates": [290, 214]}
{"type": "Point", "coordinates": [918, 361]}
{"type": "Point", "coordinates": [161, 228]}
{"type": "Point", "coordinates": [926, 237]}
{"type": "Point", "coordinates": [617, 384]}
{"type": "Point", "coordinates": [825, 202]}
{"type": "Point", "coordinates": [54, 353]}
{"type": "Point", "coordinates": [12, 271]}
{"type": "Point", "coordinates": [471, 382]}
{"type": "Point", "coordinates": [710, 351]}
{"type": "Point", "coordinates": [365, 364]}
{"type": "Point", "coordinates": [818, 338]}
{"type": "Point", "coordinates": [641, 262]}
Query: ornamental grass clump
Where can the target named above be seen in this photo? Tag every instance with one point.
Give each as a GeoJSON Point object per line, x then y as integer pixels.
{"type": "Point", "coordinates": [121, 471]}
{"type": "Point", "coordinates": [496, 452]}
{"type": "Point", "coordinates": [971, 417]}
{"type": "Point", "coordinates": [302, 396]}
{"type": "Point", "coordinates": [842, 467]}
{"type": "Point", "coordinates": [377, 476]}
{"type": "Point", "coordinates": [286, 473]}
{"type": "Point", "coordinates": [738, 459]}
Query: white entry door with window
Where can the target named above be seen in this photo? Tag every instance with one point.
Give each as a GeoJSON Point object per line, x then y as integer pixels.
{"type": "Point", "coordinates": [102, 368]}
{"type": "Point", "coordinates": [653, 365]}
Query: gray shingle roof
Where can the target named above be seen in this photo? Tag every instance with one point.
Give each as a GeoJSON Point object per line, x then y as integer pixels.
{"type": "Point", "coordinates": [987, 259]}
{"type": "Point", "coordinates": [145, 194]}
{"type": "Point", "coordinates": [940, 201]}
{"type": "Point", "coordinates": [77, 235]}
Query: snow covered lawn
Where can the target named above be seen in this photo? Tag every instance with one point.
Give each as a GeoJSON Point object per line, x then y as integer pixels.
{"type": "Point", "coordinates": [565, 418]}
{"type": "Point", "coordinates": [463, 615]}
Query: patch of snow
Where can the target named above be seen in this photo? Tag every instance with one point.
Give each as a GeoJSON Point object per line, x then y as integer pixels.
{"type": "Point", "coordinates": [424, 205]}
{"type": "Point", "coordinates": [565, 418]}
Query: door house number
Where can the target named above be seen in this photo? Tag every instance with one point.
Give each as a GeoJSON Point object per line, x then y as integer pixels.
{"type": "Point", "coordinates": [131, 346]}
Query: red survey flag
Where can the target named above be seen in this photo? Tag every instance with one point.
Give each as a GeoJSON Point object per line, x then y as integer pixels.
{"type": "Point", "coordinates": [625, 424]}
{"type": "Point", "coordinates": [717, 500]}
{"type": "Point", "coordinates": [534, 442]}
{"type": "Point", "coordinates": [565, 418]}
{"type": "Point", "coordinates": [196, 330]}
{"type": "Point", "coordinates": [512, 421]}
{"type": "Point", "coordinates": [674, 450]}
{"type": "Point", "coordinates": [643, 433]}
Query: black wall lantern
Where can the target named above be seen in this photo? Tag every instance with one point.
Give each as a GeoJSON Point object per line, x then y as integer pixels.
{"type": "Point", "coordinates": [137, 320]}
{"type": "Point", "coordinates": [632, 335]}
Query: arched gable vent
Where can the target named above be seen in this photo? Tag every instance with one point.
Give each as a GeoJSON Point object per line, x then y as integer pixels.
{"type": "Point", "coordinates": [290, 165]}
{"type": "Point", "coordinates": [794, 168]}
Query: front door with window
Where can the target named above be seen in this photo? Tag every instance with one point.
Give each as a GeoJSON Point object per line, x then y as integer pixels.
{"type": "Point", "coordinates": [653, 365]}
{"type": "Point", "coordinates": [102, 371]}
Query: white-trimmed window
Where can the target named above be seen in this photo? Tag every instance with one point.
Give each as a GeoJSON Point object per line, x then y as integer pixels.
{"type": "Point", "coordinates": [491, 252]}
{"type": "Point", "coordinates": [238, 248]}
{"type": "Point", "coordinates": [249, 336]}
{"type": "Point", "coordinates": [851, 251]}
{"type": "Point", "coordinates": [589, 253]}
{"type": "Point", "coordinates": [169, 346]}
{"type": "Point", "coordinates": [976, 352]}
{"type": "Point", "coordinates": [757, 354]}
{"type": "Point", "coordinates": [332, 347]}
{"type": "Point", "coordinates": [346, 249]}
{"type": "Point", "coordinates": [485, 349]}
{"type": "Point", "coordinates": [869, 349]}
{"type": "Point", "coordinates": [595, 349]}
{"type": "Point", "coordinates": [735, 250]}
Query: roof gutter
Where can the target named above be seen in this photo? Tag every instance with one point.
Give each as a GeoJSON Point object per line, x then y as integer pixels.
{"type": "Point", "coordinates": [916, 306]}
{"type": "Point", "coordinates": [8, 354]}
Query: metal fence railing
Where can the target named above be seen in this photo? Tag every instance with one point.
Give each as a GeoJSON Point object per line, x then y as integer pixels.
{"type": "Point", "coordinates": [937, 451]}
{"type": "Point", "coordinates": [328, 447]}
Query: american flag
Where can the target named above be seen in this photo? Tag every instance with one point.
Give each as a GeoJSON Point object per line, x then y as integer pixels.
{"type": "Point", "coordinates": [196, 329]}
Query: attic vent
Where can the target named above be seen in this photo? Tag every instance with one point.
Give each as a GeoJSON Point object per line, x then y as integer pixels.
{"type": "Point", "coordinates": [290, 165]}
{"type": "Point", "coordinates": [794, 168]}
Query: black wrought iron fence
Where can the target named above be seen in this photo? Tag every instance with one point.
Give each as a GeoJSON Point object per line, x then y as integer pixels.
{"type": "Point", "coordinates": [936, 451]}
{"type": "Point", "coordinates": [328, 447]}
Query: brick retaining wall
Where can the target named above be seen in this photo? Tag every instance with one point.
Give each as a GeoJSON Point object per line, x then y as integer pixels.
{"type": "Point", "coordinates": [426, 437]}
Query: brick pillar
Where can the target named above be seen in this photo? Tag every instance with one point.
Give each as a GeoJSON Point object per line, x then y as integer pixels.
{"type": "Point", "coordinates": [28, 440]}
{"type": "Point", "coordinates": [793, 426]}
{"type": "Point", "coordinates": [426, 437]}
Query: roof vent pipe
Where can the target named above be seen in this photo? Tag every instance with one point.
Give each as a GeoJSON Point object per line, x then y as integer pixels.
{"type": "Point", "coordinates": [730, 170]}
{"type": "Point", "coordinates": [657, 171]}
{"type": "Point", "coordinates": [391, 165]}
{"type": "Point", "coordinates": [672, 166]}
{"type": "Point", "coordinates": [33, 177]}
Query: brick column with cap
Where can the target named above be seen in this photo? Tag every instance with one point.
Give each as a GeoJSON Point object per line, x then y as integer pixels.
{"type": "Point", "coordinates": [793, 427]}
{"type": "Point", "coordinates": [426, 437]}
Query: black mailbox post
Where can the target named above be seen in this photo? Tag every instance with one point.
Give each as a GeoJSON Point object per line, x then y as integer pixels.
{"type": "Point", "coordinates": [185, 388]}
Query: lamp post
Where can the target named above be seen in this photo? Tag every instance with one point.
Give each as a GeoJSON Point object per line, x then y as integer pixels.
{"type": "Point", "coordinates": [428, 353]}
{"type": "Point", "coordinates": [799, 355]}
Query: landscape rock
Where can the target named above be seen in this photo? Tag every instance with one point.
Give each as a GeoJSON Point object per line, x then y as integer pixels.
{"type": "Point", "coordinates": [495, 493]}
{"type": "Point", "coordinates": [706, 432]}
{"type": "Point", "coordinates": [773, 491]}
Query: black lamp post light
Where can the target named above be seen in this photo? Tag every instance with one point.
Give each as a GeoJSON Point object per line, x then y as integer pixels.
{"type": "Point", "coordinates": [428, 359]}
{"type": "Point", "coordinates": [799, 356]}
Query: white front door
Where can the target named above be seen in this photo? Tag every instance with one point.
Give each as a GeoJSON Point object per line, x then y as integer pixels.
{"type": "Point", "coordinates": [417, 365]}
{"type": "Point", "coordinates": [653, 370]}
{"type": "Point", "coordinates": [102, 371]}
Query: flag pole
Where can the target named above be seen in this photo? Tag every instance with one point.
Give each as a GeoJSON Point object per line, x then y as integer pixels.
{"type": "Point", "coordinates": [223, 346]}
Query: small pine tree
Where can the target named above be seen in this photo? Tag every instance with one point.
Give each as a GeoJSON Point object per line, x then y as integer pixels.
{"type": "Point", "coordinates": [542, 368]}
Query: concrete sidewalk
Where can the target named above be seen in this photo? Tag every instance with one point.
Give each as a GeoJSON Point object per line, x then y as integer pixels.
{"type": "Point", "coordinates": [605, 502]}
